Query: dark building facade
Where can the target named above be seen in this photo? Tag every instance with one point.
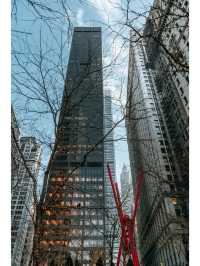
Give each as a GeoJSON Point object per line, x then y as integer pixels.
{"type": "Point", "coordinates": [71, 218]}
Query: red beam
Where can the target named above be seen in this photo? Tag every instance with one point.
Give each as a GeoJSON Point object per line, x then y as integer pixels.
{"type": "Point", "coordinates": [127, 240]}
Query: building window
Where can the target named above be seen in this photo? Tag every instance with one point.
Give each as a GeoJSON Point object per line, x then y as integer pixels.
{"type": "Point", "coordinates": [167, 168]}
{"type": "Point", "coordinates": [161, 142]}
{"type": "Point", "coordinates": [185, 100]}
{"type": "Point", "coordinates": [163, 150]}
{"type": "Point", "coordinates": [178, 81]}
{"type": "Point", "coordinates": [181, 89]}
{"type": "Point", "coordinates": [169, 177]}
{"type": "Point", "coordinates": [172, 187]}
{"type": "Point", "coordinates": [178, 212]}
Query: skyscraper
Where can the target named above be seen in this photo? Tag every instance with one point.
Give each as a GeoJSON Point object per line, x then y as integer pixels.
{"type": "Point", "coordinates": [109, 158]}
{"type": "Point", "coordinates": [167, 46]}
{"type": "Point", "coordinates": [15, 154]}
{"type": "Point", "coordinates": [171, 77]}
{"type": "Point", "coordinates": [109, 155]}
{"type": "Point", "coordinates": [26, 154]}
{"type": "Point", "coordinates": [160, 230]}
{"type": "Point", "coordinates": [32, 152]}
{"type": "Point", "coordinates": [126, 190]}
{"type": "Point", "coordinates": [71, 222]}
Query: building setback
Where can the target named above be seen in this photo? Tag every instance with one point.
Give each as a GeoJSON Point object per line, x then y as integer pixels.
{"type": "Point", "coordinates": [159, 229]}
{"type": "Point", "coordinates": [26, 154]}
{"type": "Point", "coordinates": [71, 222]}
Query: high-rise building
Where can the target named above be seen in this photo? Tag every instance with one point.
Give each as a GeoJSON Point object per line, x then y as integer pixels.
{"type": "Point", "coordinates": [71, 221]}
{"type": "Point", "coordinates": [167, 46]}
{"type": "Point", "coordinates": [15, 154]}
{"type": "Point", "coordinates": [126, 190]}
{"type": "Point", "coordinates": [32, 151]}
{"type": "Point", "coordinates": [160, 230]}
{"type": "Point", "coordinates": [26, 153]}
{"type": "Point", "coordinates": [109, 158]}
{"type": "Point", "coordinates": [168, 60]}
{"type": "Point", "coordinates": [109, 155]}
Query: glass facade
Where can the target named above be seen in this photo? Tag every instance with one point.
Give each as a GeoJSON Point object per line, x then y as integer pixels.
{"type": "Point", "coordinates": [72, 222]}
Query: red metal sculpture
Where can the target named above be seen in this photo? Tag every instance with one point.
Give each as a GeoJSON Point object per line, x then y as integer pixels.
{"type": "Point", "coordinates": [127, 246]}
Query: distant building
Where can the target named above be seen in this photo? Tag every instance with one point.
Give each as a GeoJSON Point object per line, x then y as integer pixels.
{"type": "Point", "coordinates": [126, 190]}
{"type": "Point", "coordinates": [26, 153]}
{"type": "Point", "coordinates": [109, 158]}
{"type": "Point", "coordinates": [160, 231]}
{"type": "Point", "coordinates": [109, 154]}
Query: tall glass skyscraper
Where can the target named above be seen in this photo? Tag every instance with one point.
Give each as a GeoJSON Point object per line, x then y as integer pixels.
{"type": "Point", "coordinates": [71, 222]}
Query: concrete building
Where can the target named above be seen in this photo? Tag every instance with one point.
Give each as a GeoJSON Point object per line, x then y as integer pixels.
{"type": "Point", "coordinates": [109, 155]}
{"type": "Point", "coordinates": [171, 78]}
{"type": "Point", "coordinates": [109, 158]}
{"type": "Point", "coordinates": [26, 152]}
{"type": "Point", "coordinates": [126, 190]}
{"type": "Point", "coordinates": [160, 231]}
{"type": "Point", "coordinates": [71, 223]}
{"type": "Point", "coordinates": [32, 153]}
{"type": "Point", "coordinates": [167, 46]}
{"type": "Point", "coordinates": [15, 154]}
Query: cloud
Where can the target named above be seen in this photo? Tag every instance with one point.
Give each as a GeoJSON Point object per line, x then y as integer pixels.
{"type": "Point", "coordinates": [108, 10]}
{"type": "Point", "coordinates": [79, 17]}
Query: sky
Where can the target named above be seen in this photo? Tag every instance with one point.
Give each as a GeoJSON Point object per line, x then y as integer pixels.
{"type": "Point", "coordinates": [27, 29]}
